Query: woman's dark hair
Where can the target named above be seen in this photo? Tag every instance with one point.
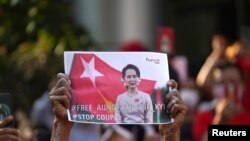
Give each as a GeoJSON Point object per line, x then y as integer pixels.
{"type": "Point", "coordinates": [130, 66]}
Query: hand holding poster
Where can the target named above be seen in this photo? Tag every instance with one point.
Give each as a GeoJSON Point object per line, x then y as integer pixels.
{"type": "Point", "coordinates": [118, 87]}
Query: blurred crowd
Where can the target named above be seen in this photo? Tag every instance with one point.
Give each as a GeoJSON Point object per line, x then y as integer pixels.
{"type": "Point", "coordinates": [219, 94]}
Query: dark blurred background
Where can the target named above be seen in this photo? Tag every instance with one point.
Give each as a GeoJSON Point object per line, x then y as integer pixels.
{"type": "Point", "coordinates": [34, 34]}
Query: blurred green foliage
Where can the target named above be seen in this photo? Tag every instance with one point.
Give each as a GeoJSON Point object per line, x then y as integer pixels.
{"type": "Point", "coordinates": [33, 36]}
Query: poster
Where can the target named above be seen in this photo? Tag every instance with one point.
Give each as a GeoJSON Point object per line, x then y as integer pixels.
{"type": "Point", "coordinates": [118, 87]}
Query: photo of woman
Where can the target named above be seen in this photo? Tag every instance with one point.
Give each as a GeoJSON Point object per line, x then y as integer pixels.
{"type": "Point", "coordinates": [133, 106]}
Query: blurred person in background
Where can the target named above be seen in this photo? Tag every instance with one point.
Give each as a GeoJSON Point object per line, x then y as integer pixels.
{"type": "Point", "coordinates": [41, 116]}
{"type": "Point", "coordinates": [243, 59]}
{"type": "Point", "coordinates": [226, 106]}
{"type": "Point", "coordinates": [239, 53]}
{"type": "Point", "coordinates": [204, 80]}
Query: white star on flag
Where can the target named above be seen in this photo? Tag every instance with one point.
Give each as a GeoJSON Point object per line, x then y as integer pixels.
{"type": "Point", "coordinates": [90, 70]}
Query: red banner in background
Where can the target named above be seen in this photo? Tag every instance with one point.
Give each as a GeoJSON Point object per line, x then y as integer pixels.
{"type": "Point", "coordinates": [165, 40]}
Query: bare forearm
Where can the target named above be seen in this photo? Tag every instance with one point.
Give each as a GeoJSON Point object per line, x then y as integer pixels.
{"type": "Point", "coordinates": [61, 131]}
{"type": "Point", "coordinates": [203, 75]}
{"type": "Point", "coordinates": [174, 136]}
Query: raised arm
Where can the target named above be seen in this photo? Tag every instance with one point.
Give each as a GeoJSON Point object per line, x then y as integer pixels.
{"type": "Point", "coordinates": [177, 109]}
{"type": "Point", "coordinates": [60, 97]}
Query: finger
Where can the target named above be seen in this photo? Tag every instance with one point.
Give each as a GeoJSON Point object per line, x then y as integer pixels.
{"type": "Point", "coordinates": [62, 82]}
{"type": "Point", "coordinates": [60, 92]}
{"type": "Point", "coordinates": [173, 92]}
{"type": "Point", "coordinates": [11, 131]}
{"type": "Point", "coordinates": [174, 100]}
{"type": "Point", "coordinates": [174, 110]}
{"type": "Point", "coordinates": [177, 109]}
{"type": "Point", "coordinates": [63, 76]}
{"type": "Point", "coordinates": [60, 100]}
{"type": "Point", "coordinates": [172, 84]}
{"type": "Point", "coordinates": [6, 121]}
{"type": "Point", "coordinates": [9, 137]}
